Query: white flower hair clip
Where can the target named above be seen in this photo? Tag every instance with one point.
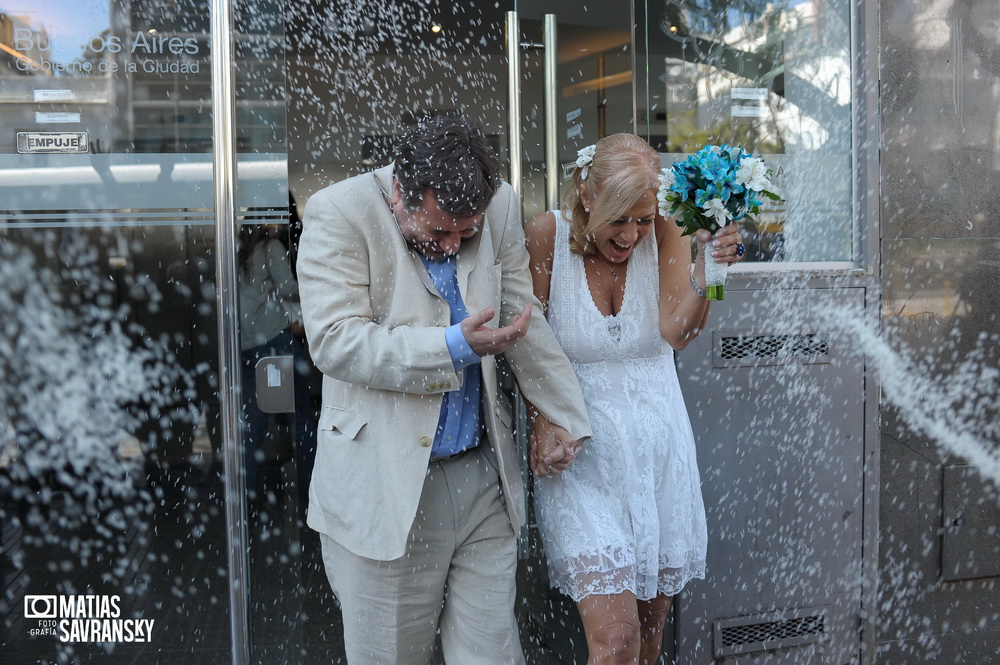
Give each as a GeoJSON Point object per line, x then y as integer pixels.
{"type": "Point", "coordinates": [584, 158]}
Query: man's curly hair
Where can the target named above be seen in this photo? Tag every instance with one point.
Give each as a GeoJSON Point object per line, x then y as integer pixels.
{"type": "Point", "coordinates": [451, 155]}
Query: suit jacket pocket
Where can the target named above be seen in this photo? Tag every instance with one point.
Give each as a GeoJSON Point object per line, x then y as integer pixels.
{"type": "Point", "coordinates": [348, 423]}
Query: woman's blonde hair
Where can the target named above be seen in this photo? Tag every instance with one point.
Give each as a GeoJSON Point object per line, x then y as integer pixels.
{"type": "Point", "coordinates": [624, 167]}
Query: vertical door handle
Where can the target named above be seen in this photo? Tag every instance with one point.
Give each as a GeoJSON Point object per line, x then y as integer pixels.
{"type": "Point", "coordinates": [514, 102]}
{"type": "Point", "coordinates": [552, 167]}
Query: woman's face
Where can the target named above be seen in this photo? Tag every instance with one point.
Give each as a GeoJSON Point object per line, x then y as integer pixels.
{"type": "Point", "coordinates": [616, 241]}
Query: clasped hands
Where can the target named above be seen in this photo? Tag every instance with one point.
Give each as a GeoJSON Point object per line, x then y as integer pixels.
{"type": "Point", "coordinates": [552, 448]}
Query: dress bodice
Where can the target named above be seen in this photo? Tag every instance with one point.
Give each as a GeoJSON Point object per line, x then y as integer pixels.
{"type": "Point", "coordinates": [583, 332]}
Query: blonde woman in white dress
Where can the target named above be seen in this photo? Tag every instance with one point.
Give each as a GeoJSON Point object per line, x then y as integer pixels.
{"type": "Point", "coordinates": [623, 526]}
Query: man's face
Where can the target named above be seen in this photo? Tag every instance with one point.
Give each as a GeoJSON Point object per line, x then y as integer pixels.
{"type": "Point", "coordinates": [433, 232]}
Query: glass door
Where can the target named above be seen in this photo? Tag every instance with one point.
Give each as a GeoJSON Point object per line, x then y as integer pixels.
{"type": "Point", "coordinates": [577, 84]}
{"type": "Point", "coordinates": [576, 74]}
{"type": "Point", "coordinates": [356, 75]}
{"type": "Point", "coordinates": [276, 405]}
{"type": "Point", "coordinates": [111, 504]}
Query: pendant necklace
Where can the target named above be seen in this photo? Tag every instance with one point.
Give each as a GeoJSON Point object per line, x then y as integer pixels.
{"type": "Point", "coordinates": [597, 259]}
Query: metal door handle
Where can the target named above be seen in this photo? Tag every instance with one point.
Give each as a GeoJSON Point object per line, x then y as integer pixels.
{"type": "Point", "coordinates": [550, 56]}
{"type": "Point", "coordinates": [551, 148]}
{"type": "Point", "coordinates": [514, 102]}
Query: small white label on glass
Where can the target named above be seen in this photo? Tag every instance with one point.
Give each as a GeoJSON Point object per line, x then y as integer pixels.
{"type": "Point", "coordinates": [54, 95]}
{"type": "Point", "coordinates": [573, 115]}
{"type": "Point", "coordinates": [575, 132]}
{"type": "Point", "coordinates": [749, 93]}
{"type": "Point", "coordinates": [738, 111]}
{"type": "Point", "coordinates": [46, 117]}
{"type": "Point", "coordinates": [30, 142]}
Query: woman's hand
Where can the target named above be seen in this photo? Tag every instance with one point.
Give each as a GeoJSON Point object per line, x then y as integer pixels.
{"type": "Point", "coordinates": [552, 448]}
{"type": "Point", "coordinates": [726, 245]}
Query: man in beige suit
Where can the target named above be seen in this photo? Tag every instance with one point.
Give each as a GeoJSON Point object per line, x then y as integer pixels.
{"type": "Point", "coordinates": [417, 489]}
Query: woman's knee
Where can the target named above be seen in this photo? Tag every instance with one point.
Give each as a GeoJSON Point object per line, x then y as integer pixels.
{"type": "Point", "coordinates": [615, 642]}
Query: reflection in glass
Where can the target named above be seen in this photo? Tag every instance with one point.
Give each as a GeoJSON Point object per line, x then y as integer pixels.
{"type": "Point", "coordinates": [109, 406]}
{"type": "Point", "coordinates": [775, 78]}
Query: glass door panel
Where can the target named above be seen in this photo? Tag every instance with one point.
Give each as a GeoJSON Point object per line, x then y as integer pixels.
{"type": "Point", "coordinates": [593, 87]}
{"type": "Point", "coordinates": [576, 81]}
{"type": "Point", "coordinates": [278, 409]}
{"type": "Point", "coordinates": [108, 407]}
{"type": "Point", "coordinates": [357, 75]}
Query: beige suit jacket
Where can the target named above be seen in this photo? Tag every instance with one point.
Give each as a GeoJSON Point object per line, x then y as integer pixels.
{"type": "Point", "coordinates": [376, 329]}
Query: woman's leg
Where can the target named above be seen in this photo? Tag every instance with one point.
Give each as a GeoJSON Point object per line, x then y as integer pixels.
{"type": "Point", "coordinates": [611, 623]}
{"type": "Point", "coordinates": [652, 619]}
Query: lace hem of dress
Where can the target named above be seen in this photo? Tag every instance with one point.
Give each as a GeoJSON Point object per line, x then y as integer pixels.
{"type": "Point", "coordinates": [669, 581]}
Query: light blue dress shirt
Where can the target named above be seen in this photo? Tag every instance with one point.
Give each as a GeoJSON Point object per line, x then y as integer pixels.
{"type": "Point", "coordinates": [460, 423]}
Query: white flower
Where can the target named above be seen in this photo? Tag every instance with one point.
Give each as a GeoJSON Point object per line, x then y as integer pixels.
{"type": "Point", "coordinates": [584, 158]}
{"type": "Point", "coordinates": [715, 208]}
{"type": "Point", "coordinates": [667, 180]}
{"type": "Point", "coordinates": [752, 173]}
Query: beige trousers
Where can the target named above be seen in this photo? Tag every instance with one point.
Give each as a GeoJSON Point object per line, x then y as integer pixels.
{"type": "Point", "coordinates": [457, 576]}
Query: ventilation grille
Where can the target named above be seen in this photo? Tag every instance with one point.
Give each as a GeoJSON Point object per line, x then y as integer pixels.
{"type": "Point", "coordinates": [742, 350]}
{"type": "Point", "coordinates": [749, 634]}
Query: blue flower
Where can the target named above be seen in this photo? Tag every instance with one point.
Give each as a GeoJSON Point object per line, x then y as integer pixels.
{"type": "Point", "coordinates": [681, 184]}
{"type": "Point", "coordinates": [713, 167]}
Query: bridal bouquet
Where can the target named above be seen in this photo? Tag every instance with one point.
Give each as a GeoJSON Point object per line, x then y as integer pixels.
{"type": "Point", "coordinates": [710, 189]}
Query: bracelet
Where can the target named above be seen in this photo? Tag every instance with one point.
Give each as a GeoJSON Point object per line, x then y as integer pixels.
{"type": "Point", "coordinates": [698, 291]}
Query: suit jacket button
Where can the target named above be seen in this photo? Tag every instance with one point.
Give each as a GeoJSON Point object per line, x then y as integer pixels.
{"type": "Point", "coordinates": [425, 441]}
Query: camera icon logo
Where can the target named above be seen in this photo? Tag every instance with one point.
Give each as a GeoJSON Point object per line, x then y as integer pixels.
{"type": "Point", "coordinates": [40, 607]}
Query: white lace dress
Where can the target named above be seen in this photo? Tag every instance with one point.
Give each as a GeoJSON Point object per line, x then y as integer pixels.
{"type": "Point", "coordinates": [628, 513]}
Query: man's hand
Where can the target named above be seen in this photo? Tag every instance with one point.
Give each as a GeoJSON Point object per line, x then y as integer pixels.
{"type": "Point", "coordinates": [552, 448]}
{"type": "Point", "coordinates": [491, 341]}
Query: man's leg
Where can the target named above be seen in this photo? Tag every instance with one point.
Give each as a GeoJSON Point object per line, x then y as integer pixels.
{"type": "Point", "coordinates": [391, 608]}
{"type": "Point", "coordinates": [478, 625]}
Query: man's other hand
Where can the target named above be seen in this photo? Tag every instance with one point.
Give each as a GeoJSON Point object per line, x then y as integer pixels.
{"type": "Point", "coordinates": [491, 341]}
